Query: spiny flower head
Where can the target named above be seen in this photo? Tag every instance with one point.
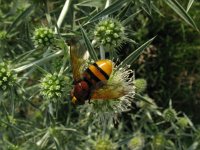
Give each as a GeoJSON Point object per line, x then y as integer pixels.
{"type": "Point", "coordinates": [105, 144]}
{"type": "Point", "coordinates": [183, 122]}
{"type": "Point", "coordinates": [141, 85]}
{"type": "Point", "coordinates": [137, 142]}
{"type": "Point", "coordinates": [7, 76]}
{"type": "Point", "coordinates": [159, 141]}
{"type": "Point", "coordinates": [54, 86]}
{"type": "Point", "coordinates": [109, 32]}
{"type": "Point", "coordinates": [43, 37]}
{"type": "Point", "coordinates": [121, 81]}
{"type": "Point", "coordinates": [170, 114]}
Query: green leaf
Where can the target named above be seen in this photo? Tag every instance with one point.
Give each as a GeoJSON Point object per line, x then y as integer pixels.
{"type": "Point", "coordinates": [127, 20]}
{"type": "Point", "coordinates": [147, 7]}
{"type": "Point", "coordinates": [56, 141]}
{"type": "Point", "coordinates": [91, 51]}
{"type": "Point", "coordinates": [41, 69]}
{"type": "Point", "coordinates": [194, 146]}
{"type": "Point", "coordinates": [12, 126]}
{"type": "Point", "coordinates": [133, 56]}
{"type": "Point", "coordinates": [181, 12]}
{"type": "Point", "coordinates": [125, 140]}
{"type": "Point", "coordinates": [90, 3]}
{"type": "Point", "coordinates": [189, 5]}
{"type": "Point", "coordinates": [140, 97]}
{"type": "Point", "coordinates": [23, 56]}
{"type": "Point", "coordinates": [156, 9]}
{"type": "Point", "coordinates": [38, 62]}
{"type": "Point", "coordinates": [109, 10]}
{"type": "Point", "coordinates": [21, 17]}
{"type": "Point", "coordinates": [124, 11]}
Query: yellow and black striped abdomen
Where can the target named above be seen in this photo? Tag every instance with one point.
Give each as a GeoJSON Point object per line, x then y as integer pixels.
{"type": "Point", "coordinates": [100, 70]}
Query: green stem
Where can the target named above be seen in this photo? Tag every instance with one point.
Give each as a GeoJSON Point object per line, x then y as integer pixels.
{"type": "Point", "coordinates": [66, 57]}
{"type": "Point", "coordinates": [102, 52]}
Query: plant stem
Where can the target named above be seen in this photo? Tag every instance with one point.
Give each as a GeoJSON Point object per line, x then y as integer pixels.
{"type": "Point", "coordinates": [102, 52]}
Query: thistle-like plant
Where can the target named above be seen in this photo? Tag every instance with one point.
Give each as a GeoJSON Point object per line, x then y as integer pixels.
{"type": "Point", "coordinates": [131, 121]}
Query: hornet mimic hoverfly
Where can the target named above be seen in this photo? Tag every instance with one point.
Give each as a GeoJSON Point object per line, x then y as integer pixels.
{"type": "Point", "coordinates": [91, 83]}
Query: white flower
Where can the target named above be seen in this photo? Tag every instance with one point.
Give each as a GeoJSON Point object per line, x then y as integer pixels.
{"type": "Point", "coordinates": [105, 110]}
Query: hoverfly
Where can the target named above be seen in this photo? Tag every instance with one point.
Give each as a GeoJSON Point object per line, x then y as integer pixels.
{"type": "Point", "coordinates": [92, 83]}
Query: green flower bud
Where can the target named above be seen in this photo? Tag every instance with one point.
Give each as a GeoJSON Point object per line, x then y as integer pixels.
{"type": "Point", "coordinates": [159, 142]}
{"type": "Point", "coordinates": [170, 115]}
{"type": "Point", "coordinates": [137, 142]}
{"type": "Point", "coordinates": [109, 32]}
{"type": "Point", "coordinates": [183, 122]}
{"type": "Point", "coordinates": [141, 85]}
{"type": "Point", "coordinates": [105, 144]}
{"type": "Point", "coordinates": [43, 37]}
{"type": "Point", "coordinates": [7, 76]}
{"type": "Point", "coordinates": [53, 86]}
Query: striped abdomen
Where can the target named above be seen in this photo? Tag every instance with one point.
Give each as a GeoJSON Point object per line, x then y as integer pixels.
{"type": "Point", "coordinates": [99, 71]}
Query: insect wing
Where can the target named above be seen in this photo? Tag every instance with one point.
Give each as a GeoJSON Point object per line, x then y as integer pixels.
{"type": "Point", "coordinates": [109, 91]}
{"type": "Point", "coordinates": [77, 52]}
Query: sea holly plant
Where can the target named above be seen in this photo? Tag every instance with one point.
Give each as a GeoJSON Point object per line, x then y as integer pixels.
{"type": "Point", "coordinates": [37, 78]}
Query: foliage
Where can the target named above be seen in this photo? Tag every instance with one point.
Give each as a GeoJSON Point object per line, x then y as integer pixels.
{"type": "Point", "coordinates": [157, 38]}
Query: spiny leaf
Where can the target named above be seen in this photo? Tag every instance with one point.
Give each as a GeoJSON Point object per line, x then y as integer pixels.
{"type": "Point", "coordinates": [127, 20]}
{"type": "Point", "coordinates": [194, 146]}
{"type": "Point", "coordinates": [122, 13]}
{"type": "Point", "coordinates": [147, 7]}
{"type": "Point", "coordinates": [56, 141]}
{"type": "Point", "coordinates": [92, 52]}
{"type": "Point", "coordinates": [38, 62]}
{"type": "Point", "coordinates": [21, 17]}
{"type": "Point", "coordinates": [109, 10]}
{"type": "Point", "coordinates": [133, 56]}
{"type": "Point", "coordinates": [181, 12]}
{"type": "Point", "coordinates": [189, 5]}
{"type": "Point", "coordinates": [141, 98]}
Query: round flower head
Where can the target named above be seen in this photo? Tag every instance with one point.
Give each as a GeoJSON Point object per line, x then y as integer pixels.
{"type": "Point", "coordinates": [141, 85]}
{"type": "Point", "coordinates": [137, 142]}
{"type": "Point", "coordinates": [170, 114]}
{"type": "Point", "coordinates": [104, 144]}
{"type": "Point", "coordinates": [183, 122]}
{"type": "Point", "coordinates": [109, 32]}
{"type": "Point", "coordinates": [53, 86]}
{"type": "Point", "coordinates": [159, 141]}
{"type": "Point", "coordinates": [43, 37]}
{"type": "Point", "coordinates": [120, 82]}
{"type": "Point", "coordinates": [7, 76]}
